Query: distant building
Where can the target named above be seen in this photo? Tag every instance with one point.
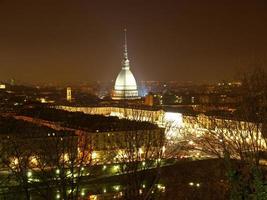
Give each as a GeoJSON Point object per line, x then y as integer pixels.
{"type": "Point", "coordinates": [125, 85]}
{"type": "Point", "coordinates": [69, 94]}
{"type": "Point", "coordinates": [12, 81]}
{"type": "Point", "coordinates": [149, 100]}
{"type": "Point", "coordinates": [2, 86]}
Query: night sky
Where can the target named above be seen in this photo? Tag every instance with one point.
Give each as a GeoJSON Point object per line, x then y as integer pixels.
{"type": "Point", "coordinates": [82, 40]}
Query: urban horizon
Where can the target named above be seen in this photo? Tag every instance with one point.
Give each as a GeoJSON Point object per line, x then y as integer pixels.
{"type": "Point", "coordinates": [133, 100]}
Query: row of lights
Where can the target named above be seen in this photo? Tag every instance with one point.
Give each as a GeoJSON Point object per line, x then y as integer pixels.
{"type": "Point", "coordinates": [51, 134]}
{"type": "Point", "coordinates": [194, 184]}
{"type": "Point", "coordinates": [116, 188]}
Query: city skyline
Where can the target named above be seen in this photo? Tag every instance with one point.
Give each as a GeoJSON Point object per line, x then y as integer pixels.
{"type": "Point", "coordinates": [79, 41]}
{"type": "Point", "coordinates": [133, 99]}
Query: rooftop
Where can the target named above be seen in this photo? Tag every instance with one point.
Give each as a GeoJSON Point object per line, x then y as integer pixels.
{"type": "Point", "coordinates": [11, 127]}
{"type": "Point", "coordinates": [81, 121]}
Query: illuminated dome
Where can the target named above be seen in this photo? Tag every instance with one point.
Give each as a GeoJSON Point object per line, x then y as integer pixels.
{"type": "Point", "coordinates": [125, 80]}
{"type": "Point", "coordinates": [125, 85]}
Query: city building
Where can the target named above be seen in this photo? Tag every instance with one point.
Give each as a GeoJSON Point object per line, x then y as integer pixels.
{"type": "Point", "coordinates": [176, 122]}
{"type": "Point", "coordinates": [149, 100]}
{"type": "Point", "coordinates": [69, 94]}
{"type": "Point", "coordinates": [125, 85]}
{"type": "Point", "coordinates": [2, 86]}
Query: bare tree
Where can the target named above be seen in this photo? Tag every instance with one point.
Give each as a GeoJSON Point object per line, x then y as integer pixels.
{"type": "Point", "coordinates": [239, 140]}
{"type": "Point", "coordinates": [15, 160]}
{"type": "Point", "coordinates": [138, 151]}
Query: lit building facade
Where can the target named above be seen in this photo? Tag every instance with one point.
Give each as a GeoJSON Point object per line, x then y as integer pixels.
{"type": "Point", "coordinates": [176, 123]}
{"type": "Point", "coordinates": [68, 94]}
{"type": "Point", "coordinates": [2, 86]}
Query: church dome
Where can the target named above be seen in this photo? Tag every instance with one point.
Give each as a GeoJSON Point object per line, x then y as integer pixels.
{"type": "Point", "coordinates": [125, 80]}
{"type": "Point", "coordinates": [125, 84]}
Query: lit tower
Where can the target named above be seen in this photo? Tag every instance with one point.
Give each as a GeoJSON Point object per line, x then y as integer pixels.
{"type": "Point", "coordinates": [125, 85]}
{"type": "Point", "coordinates": [69, 94]}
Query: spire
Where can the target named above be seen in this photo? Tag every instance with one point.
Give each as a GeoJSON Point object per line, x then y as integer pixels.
{"type": "Point", "coordinates": [125, 62]}
{"type": "Point", "coordinates": [125, 44]}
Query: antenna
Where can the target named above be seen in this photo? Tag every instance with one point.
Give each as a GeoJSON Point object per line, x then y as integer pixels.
{"type": "Point", "coordinates": [125, 44]}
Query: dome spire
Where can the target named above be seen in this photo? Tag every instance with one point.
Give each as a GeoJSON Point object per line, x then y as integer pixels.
{"type": "Point", "coordinates": [125, 84]}
{"type": "Point", "coordinates": [125, 62]}
{"type": "Point", "coordinates": [125, 44]}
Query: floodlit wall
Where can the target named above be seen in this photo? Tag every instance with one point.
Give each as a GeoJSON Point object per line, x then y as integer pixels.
{"type": "Point", "coordinates": [176, 123]}
{"type": "Point", "coordinates": [128, 113]}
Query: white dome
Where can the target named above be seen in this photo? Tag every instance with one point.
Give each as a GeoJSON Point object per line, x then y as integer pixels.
{"type": "Point", "coordinates": [125, 80]}
{"type": "Point", "coordinates": [125, 85]}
